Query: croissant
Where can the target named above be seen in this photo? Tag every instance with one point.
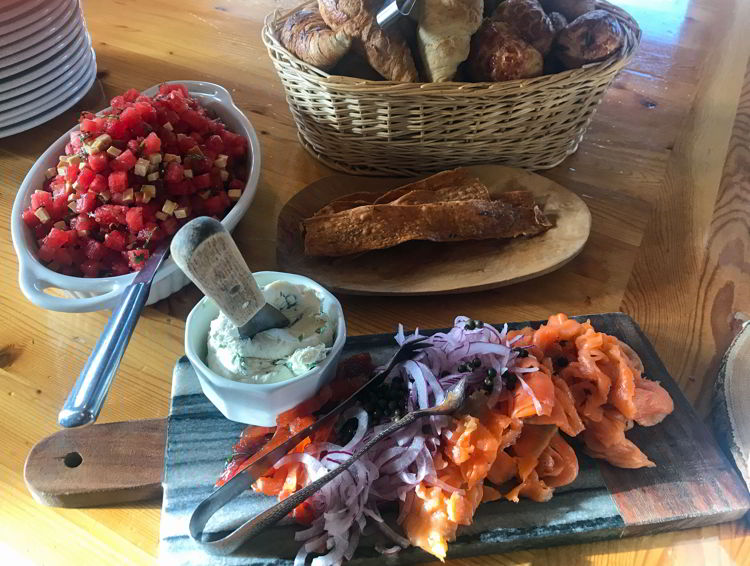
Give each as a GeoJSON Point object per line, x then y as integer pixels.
{"type": "Point", "coordinates": [444, 35]}
{"type": "Point", "coordinates": [385, 50]}
{"type": "Point", "coordinates": [307, 36]}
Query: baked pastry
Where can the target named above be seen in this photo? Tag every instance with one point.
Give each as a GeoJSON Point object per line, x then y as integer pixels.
{"type": "Point", "coordinates": [592, 37]}
{"type": "Point", "coordinates": [307, 36]}
{"type": "Point", "coordinates": [558, 21]}
{"type": "Point", "coordinates": [385, 50]}
{"type": "Point", "coordinates": [444, 34]}
{"type": "Point", "coordinates": [571, 9]}
{"type": "Point", "coordinates": [499, 54]}
{"type": "Point", "coordinates": [528, 20]}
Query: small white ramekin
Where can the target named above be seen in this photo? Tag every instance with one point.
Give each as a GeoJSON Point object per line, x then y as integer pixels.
{"type": "Point", "coordinates": [260, 404]}
{"type": "Point", "coordinates": [85, 295]}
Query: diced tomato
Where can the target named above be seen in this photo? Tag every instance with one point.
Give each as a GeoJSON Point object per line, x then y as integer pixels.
{"type": "Point", "coordinates": [71, 173]}
{"type": "Point", "coordinates": [94, 250]}
{"type": "Point", "coordinates": [141, 129]}
{"type": "Point", "coordinates": [151, 144]}
{"type": "Point", "coordinates": [86, 202]}
{"type": "Point", "coordinates": [120, 267]}
{"type": "Point", "coordinates": [99, 184]}
{"type": "Point", "coordinates": [98, 162]}
{"type": "Point", "coordinates": [174, 173]}
{"type": "Point", "coordinates": [57, 238]}
{"type": "Point", "coordinates": [167, 88]}
{"type": "Point", "coordinates": [109, 214]}
{"type": "Point", "coordinates": [215, 143]}
{"type": "Point", "coordinates": [118, 102]}
{"type": "Point", "coordinates": [151, 233]}
{"type": "Point", "coordinates": [46, 253]}
{"type": "Point", "coordinates": [83, 225]}
{"type": "Point", "coordinates": [115, 240]}
{"type": "Point", "coordinates": [59, 208]}
{"type": "Point", "coordinates": [130, 95]}
{"type": "Point", "coordinates": [90, 126]}
{"type": "Point", "coordinates": [202, 182]}
{"type": "Point", "coordinates": [91, 268]}
{"type": "Point", "coordinates": [124, 162]}
{"type": "Point", "coordinates": [40, 198]}
{"type": "Point", "coordinates": [216, 180]}
{"type": "Point", "coordinates": [170, 225]}
{"type": "Point", "coordinates": [130, 117]}
{"type": "Point", "coordinates": [185, 142]}
{"type": "Point", "coordinates": [137, 258]}
{"type": "Point", "coordinates": [117, 181]}
{"type": "Point", "coordinates": [118, 130]}
{"type": "Point", "coordinates": [176, 102]}
{"type": "Point", "coordinates": [85, 177]}
{"type": "Point", "coordinates": [134, 219]}
{"type": "Point", "coordinates": [63, 256]}
{"type": "Point", "coordinates": [195, 120]}
{"type": "Point", "coordinates": [30, 218]}
{"type": "Point", "coordinates": [236, 184]}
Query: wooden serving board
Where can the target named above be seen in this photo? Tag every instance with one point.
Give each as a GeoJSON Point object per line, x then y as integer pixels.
{"type": "Point", "coordinates": [419, 268]}
{"type": "Point", "coordinates": [693, 484]}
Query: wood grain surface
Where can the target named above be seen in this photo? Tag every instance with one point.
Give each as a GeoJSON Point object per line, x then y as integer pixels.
{"type": "Point", "coordinates": [670, 139]}
{"type": "Point", "coordinates": [417, 268]}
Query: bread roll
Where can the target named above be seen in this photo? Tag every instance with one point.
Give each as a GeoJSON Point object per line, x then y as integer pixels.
{"type": "Point", "coordinates": [385, 50]}
{"type": "Point", "coordinates": [498, 54]}
{"type": "Point", "coordinates": [593, 37]}
{"type": "Point", "coordinates": [444, 34]}
{"type": "Point", "coordinates": [307, 36]}
{"type": "Point", "coordinates": [528, 20]}
{"type": "Point", "coordinates": [571, 9]}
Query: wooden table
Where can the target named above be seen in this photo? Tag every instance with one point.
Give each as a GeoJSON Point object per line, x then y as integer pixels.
{"type": "Point", "coordinates": [665, 167]}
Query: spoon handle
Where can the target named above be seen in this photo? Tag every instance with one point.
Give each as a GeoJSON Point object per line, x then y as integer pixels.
{"type": "Point", "coordinates": [85, 400]}
{"type": "Point", "coordinates": [206, 252]}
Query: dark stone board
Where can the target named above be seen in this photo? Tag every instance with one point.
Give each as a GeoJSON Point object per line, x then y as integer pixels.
{"type": "Point", "coordinates": [692, 485]}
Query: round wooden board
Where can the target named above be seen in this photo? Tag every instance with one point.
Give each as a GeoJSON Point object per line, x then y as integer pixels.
{"type": "Point", "coordinates": [424, 268]}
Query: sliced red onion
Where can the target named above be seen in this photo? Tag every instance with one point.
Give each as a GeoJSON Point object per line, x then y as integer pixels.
{"type": "Point", "coordinates": [361, 415]}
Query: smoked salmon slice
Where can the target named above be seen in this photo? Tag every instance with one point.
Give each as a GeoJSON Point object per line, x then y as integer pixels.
{"type": "Point", "coordinates": [652, 402]}
{"type": "Point", "coordinates": [605, 439]}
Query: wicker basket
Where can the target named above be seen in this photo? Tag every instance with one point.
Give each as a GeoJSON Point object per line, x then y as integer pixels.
{"type": "Point", "coordinates": [390, 128]}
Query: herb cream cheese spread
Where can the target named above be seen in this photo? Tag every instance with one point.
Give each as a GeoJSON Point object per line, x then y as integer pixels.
{"type": "Point", "coordinates": [277, 354]}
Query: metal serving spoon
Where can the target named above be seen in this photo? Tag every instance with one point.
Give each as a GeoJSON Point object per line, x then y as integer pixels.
{"type": "Point", "coordinates": [392, 10]}
{"type": "Point", "coordinates": [85, 400]}
{"type": "Point", "coordinates": [454, 399]}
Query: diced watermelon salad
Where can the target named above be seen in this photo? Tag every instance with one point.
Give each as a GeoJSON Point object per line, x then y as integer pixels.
{"type": "Point", "coordinates": [130, 177]}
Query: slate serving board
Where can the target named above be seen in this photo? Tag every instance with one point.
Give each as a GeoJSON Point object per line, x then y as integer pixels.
{"type": "Point", "coordinates": [692, 485]}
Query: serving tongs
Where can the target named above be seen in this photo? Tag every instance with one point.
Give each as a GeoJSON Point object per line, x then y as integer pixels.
{"type": "Point", "coordinates": [244, 479]}
{"type": "Point", "coordinates": [393, 10]}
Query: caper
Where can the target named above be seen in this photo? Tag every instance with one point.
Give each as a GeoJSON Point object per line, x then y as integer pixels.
{"type": "Point", "coordinates": [522, 352]}
{"type": "Point", "coordinates": [488, 382]}
{"type": "Point", "coordinates": [479, 324]}
{"type": "Point", "coordinates": [491, 372]}
{"type": "Point", "coordinates": [463, 368]}
{"type": "Point", "coordinates": [396, 416]}
{"type": "Point", "coordinates": [476, 362]}
{"type": "Point", "coordinates": [471, 325]}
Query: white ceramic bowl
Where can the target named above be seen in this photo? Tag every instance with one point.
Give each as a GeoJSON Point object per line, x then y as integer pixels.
{"type": "Point", "coordinates": [251, 403]}
{"type": "Point", "coordinates": [87, 295]}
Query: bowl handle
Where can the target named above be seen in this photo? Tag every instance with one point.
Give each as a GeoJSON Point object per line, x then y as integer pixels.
{"type": "Point", "coordinates": [33, 289]}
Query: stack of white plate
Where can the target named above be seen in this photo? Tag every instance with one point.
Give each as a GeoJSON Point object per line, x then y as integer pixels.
{"type": "Point", "coordinates": [46, 61]}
